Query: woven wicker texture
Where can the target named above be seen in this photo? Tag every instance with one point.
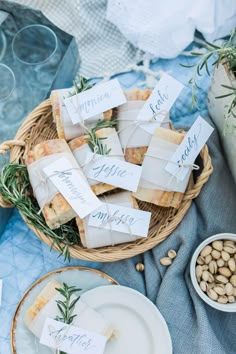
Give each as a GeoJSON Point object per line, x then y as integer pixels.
{"type": "Point", "coordinates": [39, 126]}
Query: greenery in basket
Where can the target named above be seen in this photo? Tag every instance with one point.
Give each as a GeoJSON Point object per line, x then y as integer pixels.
{"type": "Point", "coordinates": [15, 188]}
{"type": "Point", "coordinates": [224, 54]}
{"type": "Point", "coordinates": [96, 143]}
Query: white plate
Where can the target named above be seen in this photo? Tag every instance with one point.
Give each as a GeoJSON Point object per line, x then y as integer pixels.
{"type": "Point", "coordinates": [22, 340]}
{"type": "Point", "coordinates": [141, 329]}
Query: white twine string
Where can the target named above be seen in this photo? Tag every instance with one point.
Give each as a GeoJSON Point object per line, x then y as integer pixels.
{"type": "Point", "coordinates": [140, 122]}
{"type": "Point", "coordinates": [181, 166]}
{"type": "Point", "coordinates": [109, 221]}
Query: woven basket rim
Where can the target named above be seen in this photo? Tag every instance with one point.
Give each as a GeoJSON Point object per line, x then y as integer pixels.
{"type": "Point", "coordinates": [121, 251]}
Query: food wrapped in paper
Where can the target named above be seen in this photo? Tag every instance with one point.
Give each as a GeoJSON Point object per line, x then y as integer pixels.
{"type": "Point", "coordinates": [134, 139]}
{"type": "Point", "coordinates": [108, 144]}
{"type": "Point", "coordinates": [156, 185]}
{"type": "Point", "coordinates": [56, 210]}
{"type": "Point", "coordinates": [45, 306]}
{"type": "Point", "coordinates": [65, 128]}
{"type": "Point", "coordinates": [94, 237]}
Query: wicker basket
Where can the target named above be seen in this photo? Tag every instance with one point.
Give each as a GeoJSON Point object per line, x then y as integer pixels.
{"type": "Point", "coordinates": [39, 126]}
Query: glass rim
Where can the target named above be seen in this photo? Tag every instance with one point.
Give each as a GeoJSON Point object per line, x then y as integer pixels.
{"type": "Point", "coordinates": [14, 81]}
{"type": "Point", "coordinates": [31, 26]}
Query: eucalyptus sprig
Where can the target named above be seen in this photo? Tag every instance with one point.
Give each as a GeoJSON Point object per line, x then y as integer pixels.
{"type": "Point", "coordinates": [224, 54]}
{"type": "Point", "coordinates": [15, 188]}
{"type": "Point", "coordinates": [83, 85]}
{"type": "Point", "coordinates": [96, 143]}
{"type": "Point", "coordinates": [67, 306]}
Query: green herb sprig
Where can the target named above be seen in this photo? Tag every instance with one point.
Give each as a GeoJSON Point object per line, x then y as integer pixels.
{"type": "Point", "coordinates": [15, 188]}
{"type": "Point", "coordinates": [96, 143]}
{"type": "Point", "coordinates": [67, 306]}
{"type": "Point", "coordinates": [83, 85]}
{"type": "Point", "coordinates": [224, 54]}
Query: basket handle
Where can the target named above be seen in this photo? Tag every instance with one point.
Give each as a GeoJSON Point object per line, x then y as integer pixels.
{"type": "Point", "coordinates": [4, 147]}
{"type": "Point", "coordinates": [8, 144]}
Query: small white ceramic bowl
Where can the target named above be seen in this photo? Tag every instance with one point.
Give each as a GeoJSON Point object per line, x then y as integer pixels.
{"type": "Point", "coordinates": [229, 307]}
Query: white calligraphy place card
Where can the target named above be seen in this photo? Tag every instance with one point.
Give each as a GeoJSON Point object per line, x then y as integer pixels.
{"type": "Point", "coordinates": [112, 171]}
{"type": "Point", "coordinates": [162, 98]}
{"type": "Point", "coordinates": [71, 339]}
{"type": "Point", "coordinates": [98, 99]}
{"type": "Point", "coordinates": [0, 292]}
{"type": "Point", "coordinates": [71, 184]}
{"type": "Point", "coordinates": [189, 149]}
{"type": "Point", "coordinates": [122, 219]}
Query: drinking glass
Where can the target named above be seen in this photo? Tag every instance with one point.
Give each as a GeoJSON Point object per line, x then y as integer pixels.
{"type": "Point", "coordinates": [37, 52]}
{"type": "Point", "coordinates": [11, 109]}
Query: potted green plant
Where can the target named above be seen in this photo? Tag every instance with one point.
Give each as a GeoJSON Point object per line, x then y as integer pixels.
{"type": "Point", "coordinates": [221, 98]}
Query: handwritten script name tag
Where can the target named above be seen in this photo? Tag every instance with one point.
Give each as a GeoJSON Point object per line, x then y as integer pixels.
{"type": "Point", "coordinates": [121, 219]}
{"type": "Point", "coordinates": [162, 98]}
{"type": "Point", "coordinates": [73, 187]}
{"type": "Point", "coordinates": [189, 149]}
{"type": "Point", "coordinates": [71, 339]}
{"type": "Point", "coordinates": [98, 99]}
{"type": "Point", "coordinates": [113, 171]}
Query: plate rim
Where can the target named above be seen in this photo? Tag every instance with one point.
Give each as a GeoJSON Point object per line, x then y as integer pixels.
{"type": "Point", "coordinates": [144, 298]}
{"type": "Point", "coordinates": [38, 281]}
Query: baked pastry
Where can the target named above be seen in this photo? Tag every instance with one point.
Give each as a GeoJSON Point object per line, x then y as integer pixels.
{"type": "Point", "coordinates": [45, 306]}
{"type": "Point", "coordinates": [157, 186]}
{"type": "Point", "coordinates": [95, 237]}
{"type": "Point", "coordinates": [65, 128]}
{"type": "Point", "coordinates": [108, 139]}
{"type": "Point", "coordinates": [56, 210]}
{"type": "Point", "coordinates": [134, 139]}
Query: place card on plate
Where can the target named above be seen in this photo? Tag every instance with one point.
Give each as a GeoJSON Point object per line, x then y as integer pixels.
{"type": "Point", "coordinates": [122, 219]}
{"type": "Point", "coordinates": [112, 171]}
{"type": "Point", "coordinates": [98, 99]}
{"type": "Point", "coordinates": [189, 149]}
{"type": "Point", "coordinates": [162, 98]}
{"type": "Point", "coordinates": [73, 186]}
{"type": "Point", "coordinates": [71, 339]}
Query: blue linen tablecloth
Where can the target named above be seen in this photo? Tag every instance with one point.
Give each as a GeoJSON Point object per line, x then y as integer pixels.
{"type": "Point", "coordinates": [194, 327]}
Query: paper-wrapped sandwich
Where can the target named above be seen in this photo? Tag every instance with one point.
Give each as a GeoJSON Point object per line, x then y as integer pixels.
{"type": "Point", "coordinates": [65, 128]}
{"type": "Point", "coordinates": [94, 237]}
{"type": "Point", "coordinates": [45, 306]}
{"type": "Point", "coordinates": [156, 185]}
{"type": "Point", "coordinates": [108, 144]}
{"type": "Point", "coordinates": [56, 210]}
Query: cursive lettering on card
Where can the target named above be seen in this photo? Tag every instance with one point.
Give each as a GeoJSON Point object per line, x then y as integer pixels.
{"type": "Point", "coordinates": [121, 219]}
{"type": "Point", "coordinates": [112, 171]}
{"type": "Point", "coordinates": [71, 339]}
{"type": "Point", "coordinates": [71, 183]}
{"type": "Point", "coordinates": [161, 100]}
{"type": "Point", "coordinates": [94, 101]}
{"type": "Point", "coordinates": [106, 170]}
{"type": "Point", "coordinates": [190, 147]}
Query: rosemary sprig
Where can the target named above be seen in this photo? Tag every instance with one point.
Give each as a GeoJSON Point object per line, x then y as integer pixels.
{"type": "Point", "coordinates": [96, 143]}
{"type": "Point", "coordinates": [225, 54]}
{"type": "Point", "coordinates": [82, 86]}
{"type": "Point", "coordinates": [15, 188]}
{"type": "Point", "coordinates": [66, 307]}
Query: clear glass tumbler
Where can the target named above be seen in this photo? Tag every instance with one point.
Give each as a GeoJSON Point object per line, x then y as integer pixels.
{"type": "Point", "coordinates": [11, 109]}
{"type": "Point", "coordinates": [37, 54]}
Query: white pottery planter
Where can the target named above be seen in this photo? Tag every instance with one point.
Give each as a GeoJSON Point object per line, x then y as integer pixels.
{"type": "Point", "coordinates": [218, 108]}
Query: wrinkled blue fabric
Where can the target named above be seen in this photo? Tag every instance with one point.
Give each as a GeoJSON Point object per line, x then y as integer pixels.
{"type": "Point", "coordinates": [194, 326]}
